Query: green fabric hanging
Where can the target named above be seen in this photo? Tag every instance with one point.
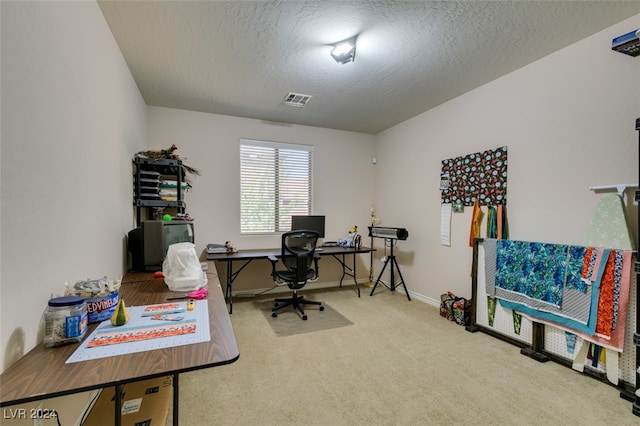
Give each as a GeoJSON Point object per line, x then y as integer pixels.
{"type": "Point", "coordinates": [492, 223]}
{"type": "Point", "coordinates": [491, 309]}
{"type": "Point", "coordinates": [505, 223]}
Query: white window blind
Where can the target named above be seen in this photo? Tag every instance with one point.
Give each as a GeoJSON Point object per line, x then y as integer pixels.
{"type": "Point", "coordinates": [275, 183]}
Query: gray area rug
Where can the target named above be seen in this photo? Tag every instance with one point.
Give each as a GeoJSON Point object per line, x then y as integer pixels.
{"type": "Point", "coordinates": [289, 321]}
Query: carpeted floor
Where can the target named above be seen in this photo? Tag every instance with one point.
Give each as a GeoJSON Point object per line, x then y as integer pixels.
{"type": "Point", "coordinates": [399, 363]}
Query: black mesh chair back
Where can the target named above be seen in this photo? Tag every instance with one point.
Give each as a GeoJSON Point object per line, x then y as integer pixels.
{"type": "Point", "coordinates": [298, 250]}
{"type": "Point", "coordinates": [301, 263]}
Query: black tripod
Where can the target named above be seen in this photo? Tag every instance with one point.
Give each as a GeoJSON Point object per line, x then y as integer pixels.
{"type": "Point", "coordinates": [392, 281]}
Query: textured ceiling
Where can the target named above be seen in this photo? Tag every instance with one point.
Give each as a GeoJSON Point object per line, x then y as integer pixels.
{"type": "Point", "coordinates": [241, 58]}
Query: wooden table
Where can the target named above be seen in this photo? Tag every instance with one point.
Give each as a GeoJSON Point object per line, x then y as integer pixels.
{"type": "Point", "coordinates": [42, 373]}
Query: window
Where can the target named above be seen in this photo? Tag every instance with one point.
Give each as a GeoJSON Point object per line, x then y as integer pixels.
{"type": "Point", "coordinates": [275, 183]}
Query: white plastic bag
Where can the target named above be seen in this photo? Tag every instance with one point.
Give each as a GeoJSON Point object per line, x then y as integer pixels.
{"type": "Point", "coordinates": [181, 268]}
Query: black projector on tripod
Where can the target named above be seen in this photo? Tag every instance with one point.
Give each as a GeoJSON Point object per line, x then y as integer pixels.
{"type": "Point", "coordinates": [390, 233]}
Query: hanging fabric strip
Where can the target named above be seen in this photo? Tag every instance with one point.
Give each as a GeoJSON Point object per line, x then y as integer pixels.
{"type": "Point", "coordinates": [491, 309]}
{"type": "Point", "coordinates": [489, 245]}
{"type": "Point", "coordinates": [595, 355]}
{"type": "Point", "coordinates": [476, 219]}
{"type": "Point", "coordinates": [612, 365]}
{"type": "Point", "coordinates": [505, 223]}
{"type": "Point", "coordinates": [617, 287]}
{"type": "Point", "coordinates": [492, 223]}
{"type": "Point", "coordinates": [580, 360]}
{"type": "Point", "coordinates": [517, 322]}
{"type": "Point", "coordinates": [499, 220]}
{"type": "Point", "coordinates": [570, 339]}
{"type": "Point", "coordinates": [608, 304]}
{"type": "Point", "coordinates": [589, 261]}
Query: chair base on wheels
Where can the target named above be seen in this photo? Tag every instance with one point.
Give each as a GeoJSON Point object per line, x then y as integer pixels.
{"type": "Point", "coordinates": [297, 302]}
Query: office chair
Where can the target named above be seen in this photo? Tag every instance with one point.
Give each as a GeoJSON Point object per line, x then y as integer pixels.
{"type": "Point", "coordinates": [301, 262]}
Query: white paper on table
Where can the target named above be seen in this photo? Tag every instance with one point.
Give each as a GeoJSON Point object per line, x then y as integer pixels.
{"type": "Point", "coordinates": [445, 225]}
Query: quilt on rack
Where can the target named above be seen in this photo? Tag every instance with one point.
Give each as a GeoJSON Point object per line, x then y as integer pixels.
{"type": "Point", "coordinates": [580, 289]}
{"type": "Point", "coordinates": [539, 271]}
{"type": "Point", "coordinates": [576, 304]}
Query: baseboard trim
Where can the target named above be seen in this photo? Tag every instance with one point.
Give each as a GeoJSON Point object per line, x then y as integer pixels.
{"type": "Point", "coordinates": [417, 296]}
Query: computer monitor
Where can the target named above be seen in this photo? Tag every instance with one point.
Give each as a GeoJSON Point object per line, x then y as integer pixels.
{"type": "Point", "coordinates": [312, 223]}
{"type": "Point", "coordinates": [148, 243]}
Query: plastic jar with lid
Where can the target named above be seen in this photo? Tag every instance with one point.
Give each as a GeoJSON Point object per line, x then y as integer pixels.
{"type": "Point", "coordinates": [65, 321]}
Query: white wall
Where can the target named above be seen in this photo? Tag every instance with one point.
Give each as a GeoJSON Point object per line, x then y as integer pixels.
{"type": "Point", "coordinates": [568, 121]}
{"type": "Point", "coordinates": [343, 179]}
{"type": "Point", "coordinates": [72, 117]}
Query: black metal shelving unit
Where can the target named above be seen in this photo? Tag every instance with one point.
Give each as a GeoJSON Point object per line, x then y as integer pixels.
{"type": "Point", "coordinates": [147, 176]}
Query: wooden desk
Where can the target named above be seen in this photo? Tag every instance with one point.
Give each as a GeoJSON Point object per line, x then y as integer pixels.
{"type": "Point", "coordinates": [42, 373]}
{"type": "Point", "coordinates": [247, 256]}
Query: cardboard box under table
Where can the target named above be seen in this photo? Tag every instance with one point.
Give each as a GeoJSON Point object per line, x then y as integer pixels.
{"type": "Point", "coordinates": [144, 403]}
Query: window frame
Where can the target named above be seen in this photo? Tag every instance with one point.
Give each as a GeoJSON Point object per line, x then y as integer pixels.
{"type": "Point", "coordinates": [280, 210]}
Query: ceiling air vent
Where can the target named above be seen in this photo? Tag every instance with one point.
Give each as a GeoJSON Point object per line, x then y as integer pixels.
{"type": "Point", "coordinates": [296, 99]}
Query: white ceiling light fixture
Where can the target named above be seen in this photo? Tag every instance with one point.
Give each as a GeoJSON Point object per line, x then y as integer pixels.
{"type": "Point", "coordinates": [344, 51]}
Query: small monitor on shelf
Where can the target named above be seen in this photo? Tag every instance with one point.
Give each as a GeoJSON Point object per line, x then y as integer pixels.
{"type": "Point", "coordinates": [312, 223]}
{"type": "Point", "coordinates": [148, 243]}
